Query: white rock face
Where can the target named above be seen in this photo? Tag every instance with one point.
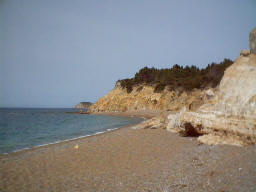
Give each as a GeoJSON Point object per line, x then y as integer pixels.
{"type": "Point", "coordinates": [253, 41]}
{"type": "Point", "coordinates": [209, 94]}
{"type": "Point", "coordinates": [174, 121]}
{"type": "Point", "coordinates": [231, 113]}
{"type": "Point", "coordinates": [237, 91]}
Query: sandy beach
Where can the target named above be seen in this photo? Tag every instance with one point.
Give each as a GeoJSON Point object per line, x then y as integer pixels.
{"type": "Point", "coordinates": [130, 160]}
{"type": "Point", "coordinates": [127, 96]}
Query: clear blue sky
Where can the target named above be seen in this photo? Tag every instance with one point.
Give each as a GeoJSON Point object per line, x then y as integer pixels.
{"type": "Point", "coordinates": [56, 53]}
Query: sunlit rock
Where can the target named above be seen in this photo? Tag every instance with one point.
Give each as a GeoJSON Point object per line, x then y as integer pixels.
{"type": "Point", "coordinates": [253, 41]}
{"type": "Point", "coordinates": [231, 114]}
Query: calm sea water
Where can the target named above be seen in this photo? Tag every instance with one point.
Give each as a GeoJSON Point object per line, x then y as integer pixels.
{"type": "Point", "coordinates": [27, 128]}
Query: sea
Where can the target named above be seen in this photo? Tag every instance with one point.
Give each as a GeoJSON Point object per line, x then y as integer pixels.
{"type": "Point", "coordinates": [25, 128]}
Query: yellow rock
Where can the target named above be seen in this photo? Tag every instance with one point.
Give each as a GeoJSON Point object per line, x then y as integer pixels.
{"type": "Point", "coordinates": [143, 97]}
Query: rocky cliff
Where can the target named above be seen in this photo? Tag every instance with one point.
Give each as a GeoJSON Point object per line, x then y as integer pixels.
{"type": "Point", "coordinates": [83, 105]}
{"type": "Point", "coordinates": [230, 116]}
{"type": "Point", "coordinates": [144, 98]}
{"type": "Point", "coordinates": [163, 89]}
{"type": "Point", "coordinates": [225, 114]}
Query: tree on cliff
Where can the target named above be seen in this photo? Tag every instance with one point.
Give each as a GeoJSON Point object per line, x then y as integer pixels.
{"type": "Point", "coordinates": [188, 77]}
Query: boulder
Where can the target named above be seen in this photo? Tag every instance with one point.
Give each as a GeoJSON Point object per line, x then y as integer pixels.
{"type": "Point", "coordinates": [245, 53]}
{"type": "Point", "coordinates": [209, 93]}
{"type": "Point", "coordinates": [174, 123]}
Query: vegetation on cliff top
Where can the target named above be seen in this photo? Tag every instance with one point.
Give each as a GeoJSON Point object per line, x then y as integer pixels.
{"type": "Point", "coordinates": [186, 78]}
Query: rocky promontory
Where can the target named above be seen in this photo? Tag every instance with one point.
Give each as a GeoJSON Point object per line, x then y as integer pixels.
{"type": "Point", "coordinates": [83, 105]}
{"type": "Point", "coordinates": [163, 89]}
{"type": "Point", "coordinates": [230, 116]}
{"type": "Point", "coordinates": [217, 106]}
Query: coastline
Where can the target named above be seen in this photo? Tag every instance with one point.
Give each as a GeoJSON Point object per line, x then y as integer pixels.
{"type": "Point", "coordinates": [141, 114]}
{"type": "Point", "coordinates": [63, 141]}
{"type": "Point", "coordinates": [128, 159]}
{"type": "Point", "coordinates": [24, 150]}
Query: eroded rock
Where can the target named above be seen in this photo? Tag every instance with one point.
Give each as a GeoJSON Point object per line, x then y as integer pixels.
{"type": "Point", "coordinates": [253, 41]}
{"type": "Point", "coordinates": [231, 115]}
{"type": "Point", "coordinates": [144, 98]}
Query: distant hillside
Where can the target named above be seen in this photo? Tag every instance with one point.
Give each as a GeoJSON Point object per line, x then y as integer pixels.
{"type": "Point", "coordinates": [83, 105]}
{"type": "Point", "coordinates": [185, 78]}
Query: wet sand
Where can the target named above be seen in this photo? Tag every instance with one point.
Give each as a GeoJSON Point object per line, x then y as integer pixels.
{"type": "Point", "coordinates": [130, 160]}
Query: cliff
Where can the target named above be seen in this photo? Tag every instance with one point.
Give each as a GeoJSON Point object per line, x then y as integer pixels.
{"type": "Point", "coordinates": [83, 105]}
{"type": "Point", "coordinates": [222, 114]}
{"type": "Point", "coordinates": [227, 116]}
{"type": "Point", "coordinates": [144, 98]}
{"type": "Point", "coordinates": [230, 116]}
{"type": "Point", "coordinates": [163, 89]}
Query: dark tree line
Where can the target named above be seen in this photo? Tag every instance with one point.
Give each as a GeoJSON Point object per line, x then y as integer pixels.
{"type": "Point", "coordinates": [188, 77]}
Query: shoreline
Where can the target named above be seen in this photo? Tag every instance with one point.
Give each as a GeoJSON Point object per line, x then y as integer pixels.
{"type": "Point", "coordinates": [62, 141]}
{"type": "Point", "coordinates": [126, 159]}
{"type": "Point", "coordinates": [80, 138]}
{"type": "Point", "coordinates": [140, 114]}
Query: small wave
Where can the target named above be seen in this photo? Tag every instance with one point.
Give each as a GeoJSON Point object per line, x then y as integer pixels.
{"type": "Point", "coordinates": [59, 141]}
{"type": "Point", "coordinates": [112, 129]}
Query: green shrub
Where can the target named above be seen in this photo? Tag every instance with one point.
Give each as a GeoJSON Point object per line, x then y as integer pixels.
{"type": "Point", "coordinates": [139, 88]}
{"type": "Point", "coordinates": [159, 87]}
{"type": "Point", "coordinates": [188, 77]}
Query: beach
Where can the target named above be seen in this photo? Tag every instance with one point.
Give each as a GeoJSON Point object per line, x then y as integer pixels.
{"type": "Point", "coordinates": [130, 160]}
{"type": "Point", "coordinates": [127, 96]}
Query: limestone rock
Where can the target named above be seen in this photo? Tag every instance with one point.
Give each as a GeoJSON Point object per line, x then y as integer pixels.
{"type": "Point", "coordinates": [160, 121]}
{"type": "Point", "coordinates": [213, 139]}
{"type": "Point", "coordinates": [144, 98]}
{"type": "Point", "coordinates": [209, 93]}
{"type": "Point", "coordinates": [231, 114]}
{"type": "Point", "coordinates": [253, 41]}
{"type": "Point", "coordinates": [174, 124]}
{"type": "Point", "coordinates": [245, 53]}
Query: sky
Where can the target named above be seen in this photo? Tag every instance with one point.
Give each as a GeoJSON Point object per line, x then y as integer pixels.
{"type": "Point", "coordinates": [57, 53]}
